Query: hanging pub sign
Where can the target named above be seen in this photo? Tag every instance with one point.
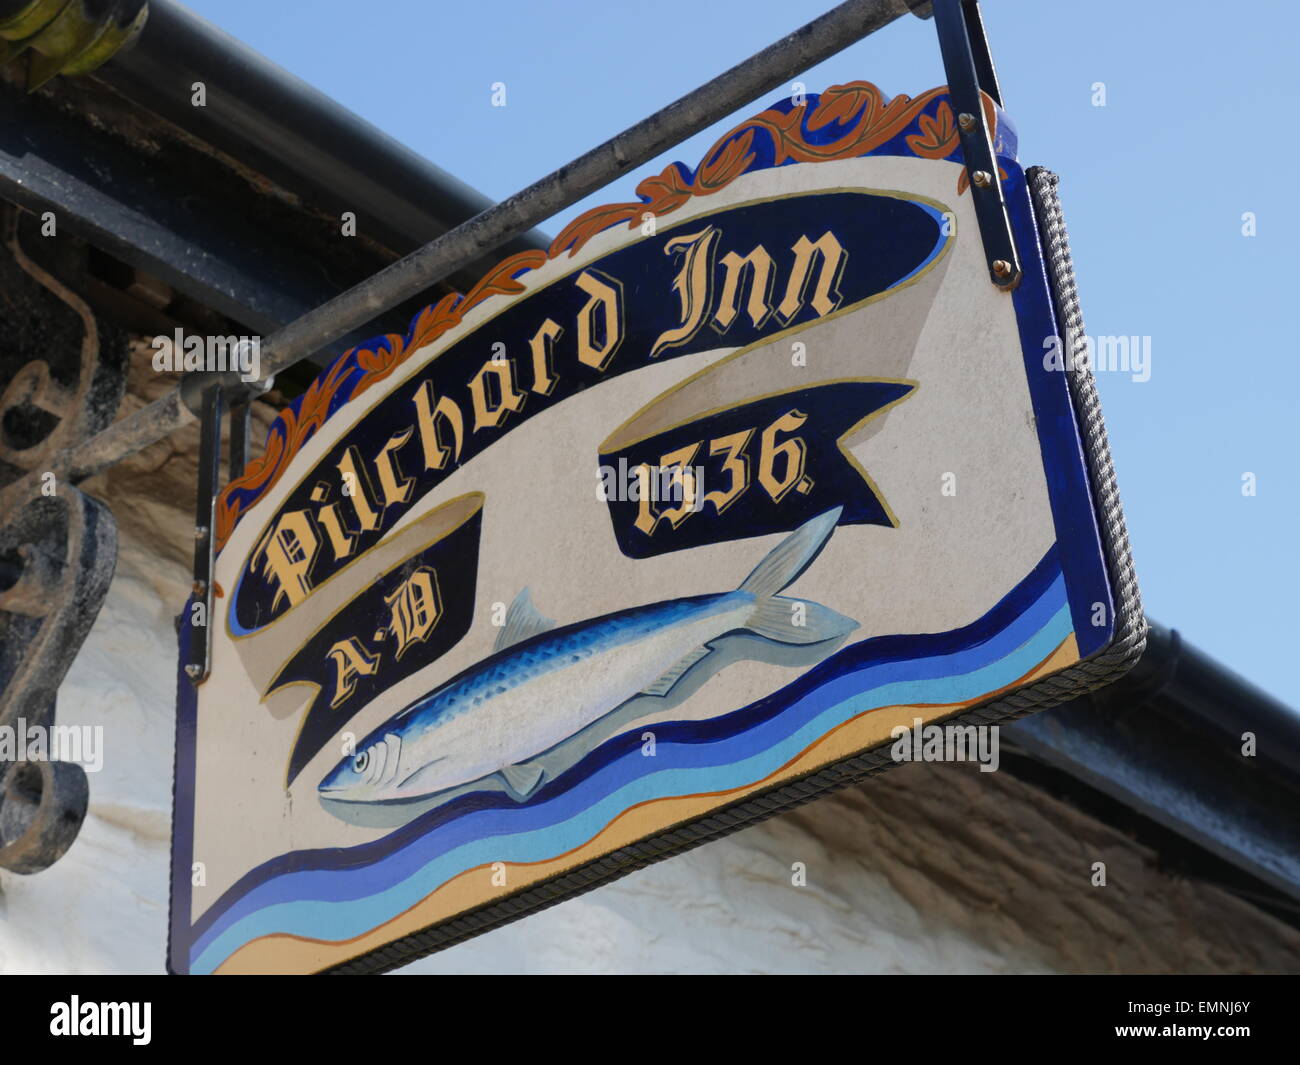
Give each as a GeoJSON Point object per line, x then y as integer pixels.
{"type": "Point", "coordinates": [645, 537]}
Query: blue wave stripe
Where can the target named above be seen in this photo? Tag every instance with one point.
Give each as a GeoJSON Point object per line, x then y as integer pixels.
{"type": "Point", "coordinates": [694, 770]}
{"type": "Point", "coordinates": [343, 885]}
{"type": "Point", "coordinates": [301, 884]}
{"type": "Point", "coordinates": [315, 874]}
{"type": "Point", "coordinates": [1008, 622]}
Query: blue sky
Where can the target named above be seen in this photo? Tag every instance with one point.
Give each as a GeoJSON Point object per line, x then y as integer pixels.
{"type": "Point", "coordinates": [1195, 131]}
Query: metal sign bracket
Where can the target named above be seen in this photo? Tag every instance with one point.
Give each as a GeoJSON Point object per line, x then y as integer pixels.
{"type": "Point", "coordinates": [969, 68]}
{"type": "Point", "coordinates": [200, 648]}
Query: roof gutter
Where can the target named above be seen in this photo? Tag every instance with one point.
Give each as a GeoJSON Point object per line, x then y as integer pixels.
{"type": "Point", "coordinates": [259, 113]}
{"type": "Point", "coordinates": [1193, 748]}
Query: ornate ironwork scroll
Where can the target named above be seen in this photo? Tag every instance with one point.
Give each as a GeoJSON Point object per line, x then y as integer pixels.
{"type": "Point", "coordinates": [64, 375]}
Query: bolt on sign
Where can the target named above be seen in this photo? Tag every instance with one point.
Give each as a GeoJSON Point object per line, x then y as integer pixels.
{"type": "Point", "coordinates": [643, 539]}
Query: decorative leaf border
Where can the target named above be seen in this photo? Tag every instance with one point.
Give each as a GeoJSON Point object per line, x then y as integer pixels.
{"type": "Point", "coordinates": [844, 122]}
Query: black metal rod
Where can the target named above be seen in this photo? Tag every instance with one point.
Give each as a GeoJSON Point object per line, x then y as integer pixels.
{"type": "Point", "coordinates": [979, 46]}
{"type": "Point", "coordinates": [200, 649]}
{"type": "Point", "coordinates": [740, 85]}
{"type": "Point", "coordinates": [469, 241]}
{"type": "Point", "coordinates": [240, 417]}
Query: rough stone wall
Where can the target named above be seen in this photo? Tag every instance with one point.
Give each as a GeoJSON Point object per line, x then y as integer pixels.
{"type": "Point", "coordinates": [928, 868]}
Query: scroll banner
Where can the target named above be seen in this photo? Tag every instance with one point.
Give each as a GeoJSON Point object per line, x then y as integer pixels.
{"type": "Point", "coordinates": [397, 624]}
{"type": "Point", "coordinates": [737, 278]}
{"type": "Point", "coordinates": [766, 465]}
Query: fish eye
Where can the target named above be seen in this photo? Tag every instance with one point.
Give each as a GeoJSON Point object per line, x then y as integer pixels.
{"type": "Point", "coordinates": [360, 762]}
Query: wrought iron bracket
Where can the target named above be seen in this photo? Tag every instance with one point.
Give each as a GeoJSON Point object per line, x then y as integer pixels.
{"type": "Point", "coordinates": [62, 377]}
{"type": "Point", "coordinates": [57, 555]}
{"type": "Point", "coordinates": [200, 650]}
{"type": "Point", "coordinates": [969, 68]}
{"type": "Point", "coordinates": [62, 366]}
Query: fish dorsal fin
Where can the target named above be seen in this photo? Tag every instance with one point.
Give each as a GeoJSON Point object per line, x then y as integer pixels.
{"type": "Point", "coordinates": [785, 562]}
{"type": "Point", "coordinates": [522, 780]}
{"type": "Point", "coordinates": [522, 621]}
{"type": "Point", "coordinates": [664, 683]}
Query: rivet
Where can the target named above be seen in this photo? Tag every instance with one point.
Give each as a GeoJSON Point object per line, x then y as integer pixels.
{"type": "Point", "coordinates": [982, 178]}
{"type": "Point", "coordinates": [193, 671]}
{"type": "Point", "coordinates": [1001, 268]}
{"type": "Point", "coordinates": [200, 531]}
{"type": "Point", "coordinates": [200, 588]}
{"type": "Point", "coordinates": [966, 121]}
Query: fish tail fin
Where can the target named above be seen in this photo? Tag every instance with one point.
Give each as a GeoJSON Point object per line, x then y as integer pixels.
{"type": "Point", "coordinates": [787, 560]}
{"type": "Point", "coordinates": [797, 621]}
{"type": "Point", "coordinates": [794, 621]}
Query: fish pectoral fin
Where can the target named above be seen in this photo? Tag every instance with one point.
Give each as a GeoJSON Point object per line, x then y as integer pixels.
{"type": "Point", "coordinates": [523, 620]}
{"type": "Point", "coordinates": [522, 780]}
{"type": "Point", "coordinates": [666, 680]}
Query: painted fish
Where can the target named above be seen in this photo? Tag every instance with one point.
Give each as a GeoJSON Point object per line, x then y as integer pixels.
{"type": "Point", "coordinates": [543, 684]}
